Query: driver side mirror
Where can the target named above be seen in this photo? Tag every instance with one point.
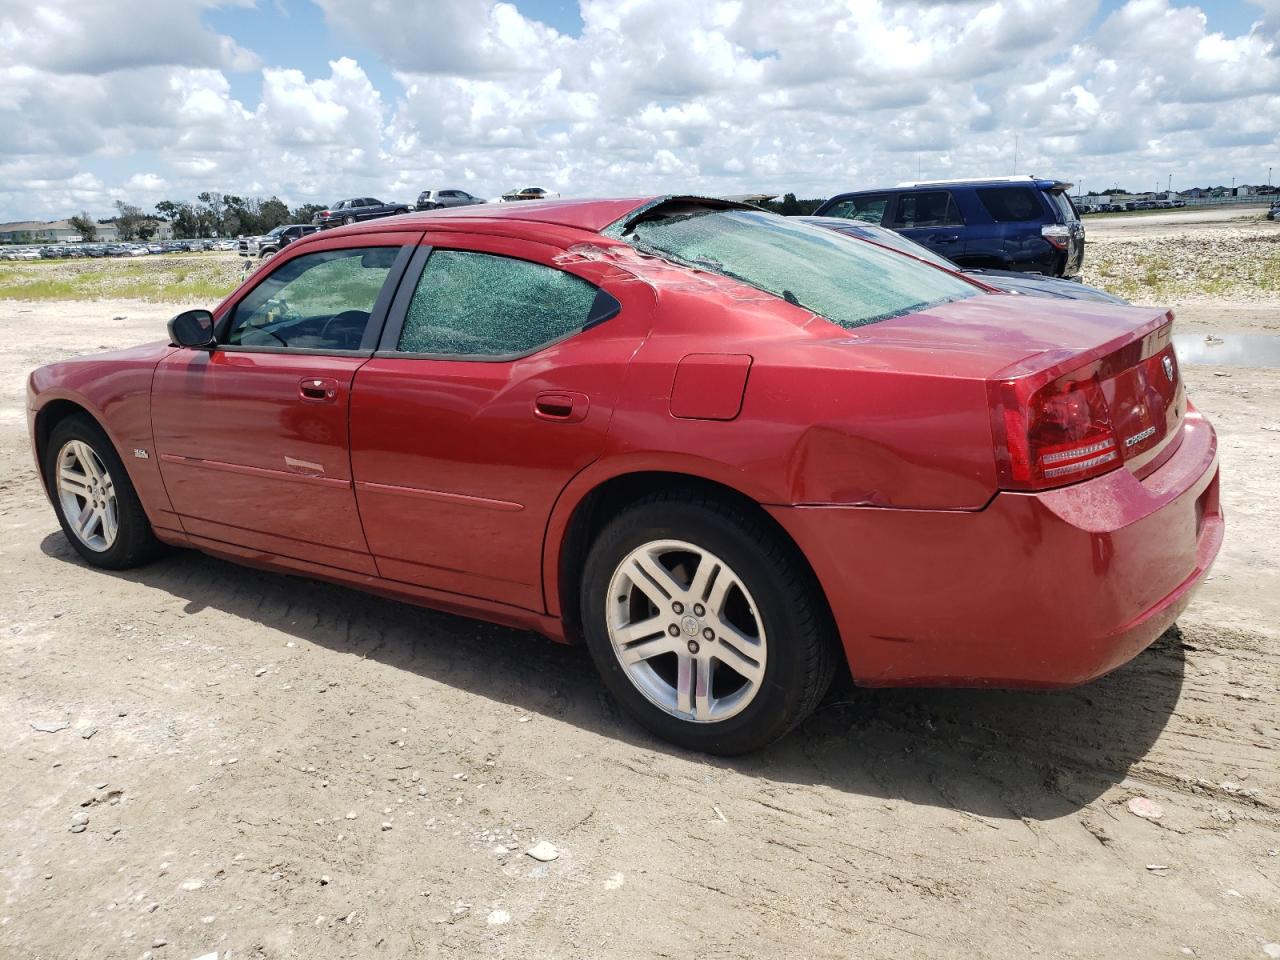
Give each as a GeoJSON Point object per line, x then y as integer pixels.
{"type": "Point", "coordinates": [192, 328]}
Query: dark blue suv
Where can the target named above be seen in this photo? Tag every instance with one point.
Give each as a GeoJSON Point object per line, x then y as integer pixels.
{"type": "Point", "coordinates": [1001, 223]}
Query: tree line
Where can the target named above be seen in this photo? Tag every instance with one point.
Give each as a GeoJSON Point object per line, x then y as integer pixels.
{"type": "Point", "coordinates": [209, 215]}
{"type": "Point", "coordinates": [227, 215]}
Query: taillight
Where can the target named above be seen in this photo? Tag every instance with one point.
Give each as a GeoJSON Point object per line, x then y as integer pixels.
{"type": "Point", "coordinates": [1054, 435]}
{"type": "Point", "coordinates": [1057, 234]}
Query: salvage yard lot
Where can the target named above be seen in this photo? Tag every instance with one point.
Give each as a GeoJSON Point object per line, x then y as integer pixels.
{"type": "Point", "coordinates": [275, 768]}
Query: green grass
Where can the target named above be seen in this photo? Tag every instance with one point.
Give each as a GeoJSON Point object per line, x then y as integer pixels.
{"type": "Point", "coordinates": [178, 278]}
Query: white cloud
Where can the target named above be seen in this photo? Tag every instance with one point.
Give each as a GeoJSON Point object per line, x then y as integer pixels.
{"type": "Point", "coordinates": [134, 98]}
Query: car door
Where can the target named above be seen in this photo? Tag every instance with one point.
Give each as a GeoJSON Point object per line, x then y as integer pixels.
{"type": "Point", "coordinates": [252, 435]}
{"type": "Point", "coordinates": [494, 384]}
{"type": "Point", "coordinates": [932, 219]}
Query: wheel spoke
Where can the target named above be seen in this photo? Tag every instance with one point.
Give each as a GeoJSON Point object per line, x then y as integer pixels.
{"type": "Point", "coordinates": [653, 580]}
{"type": "Point", "coordinates": [719, 592]}
{"type": "Point", "coordinates": [88, 462]}
{"type": "Point", "coordinates": [110, 522]}
{"type": "Point", "coordinates": [702, 689]}
{"type": "Point", "coordinates": [737, 652]}
{"type": "Point", "coordinates": [76, 484]}
{"type": "Point", "coordinates": [85, 521]}
{"type": "Point", "coordinates": [709, 570]}
{"type": "Point", "coordinates": [641, 630]}
{"type": "Point", "coordinates": [685, 678]}
{"type": "Point", "coordinates": [647, 649]}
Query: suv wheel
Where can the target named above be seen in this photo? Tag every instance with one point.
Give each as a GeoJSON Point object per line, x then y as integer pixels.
{"type": "Point", "coordinates": [705, 624]}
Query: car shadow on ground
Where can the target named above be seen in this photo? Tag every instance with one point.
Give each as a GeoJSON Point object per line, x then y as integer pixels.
{"type": "Point", "coordinates": [989, 753]}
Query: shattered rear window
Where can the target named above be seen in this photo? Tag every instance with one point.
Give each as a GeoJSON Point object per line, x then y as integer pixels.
{"type": "Point", "coordinates": [848, 282]}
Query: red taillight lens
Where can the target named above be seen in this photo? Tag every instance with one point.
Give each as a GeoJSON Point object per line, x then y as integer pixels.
{"type": "Point", "coordinates": [1058, 234]}
{"type": "Point", "coordinates": [1059, 434]}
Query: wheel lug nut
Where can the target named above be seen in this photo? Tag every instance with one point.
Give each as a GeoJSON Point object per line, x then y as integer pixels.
{"type": "Point", "coordinates": [678, 607]}
{"type": "Point", "coordinates": [709, 634]}
{"type": "Point", "coordinates": [693, 646]}
{"type": "Point", "coordinates": [673, 630]}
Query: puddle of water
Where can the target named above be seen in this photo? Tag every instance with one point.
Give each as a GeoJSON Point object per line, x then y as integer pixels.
{"type": "Point", "coordinates": [1232, 349]}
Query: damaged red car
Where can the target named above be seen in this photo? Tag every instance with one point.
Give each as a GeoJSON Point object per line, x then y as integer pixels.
{"type": "Point", "coordinates": [728, 451]}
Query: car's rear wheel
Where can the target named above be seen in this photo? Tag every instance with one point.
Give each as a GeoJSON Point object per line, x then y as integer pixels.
{"type": "Point", "coordinates": [348, 220]}
{"type": "Point", "coordinates": [96, 503]}
{"type": "Point", "coordinates": [706, 624]}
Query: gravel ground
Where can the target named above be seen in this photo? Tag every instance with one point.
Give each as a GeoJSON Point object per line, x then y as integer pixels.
{"type": "Point", "coordinates": [197, 757]}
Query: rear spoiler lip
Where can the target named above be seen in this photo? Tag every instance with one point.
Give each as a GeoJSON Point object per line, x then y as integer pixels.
{"type": "Point", "coordinates": [1049, 365]}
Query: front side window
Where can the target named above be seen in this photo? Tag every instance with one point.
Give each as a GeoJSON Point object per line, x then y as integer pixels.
{"type": "Point", "coordinates": [319, 301]}
{"type": "Point", "coordinates": [933, 209]}
{"type": "Point", "coordinates": [841, 278]}
{"type": "Point", "coordinates": [484, 305]}
{"type": "Point", "coordinates": [1011, 204]}
{"type": "Point", "coordinates": [866, 209]}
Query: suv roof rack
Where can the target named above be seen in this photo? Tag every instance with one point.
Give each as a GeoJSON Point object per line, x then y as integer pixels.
{"type": "Point", "coordinates": [1013, 178]}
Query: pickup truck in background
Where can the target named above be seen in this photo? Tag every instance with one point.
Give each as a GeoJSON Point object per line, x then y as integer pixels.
{"type": "Point", "coordinates": [271, 243]}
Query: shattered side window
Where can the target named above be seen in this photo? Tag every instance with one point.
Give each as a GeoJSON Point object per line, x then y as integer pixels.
{"type": "Point", "coordinates": [843, 279]}
{"type": "Point", "coordinates": [480, 304]}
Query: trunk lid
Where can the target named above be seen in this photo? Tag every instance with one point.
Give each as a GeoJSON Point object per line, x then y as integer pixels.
{"type": "Point", "coordinates": [1028, 344]}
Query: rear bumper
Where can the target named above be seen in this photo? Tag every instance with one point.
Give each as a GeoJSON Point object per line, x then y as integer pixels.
{"type": "Point", "coordinates": [1035, 590]}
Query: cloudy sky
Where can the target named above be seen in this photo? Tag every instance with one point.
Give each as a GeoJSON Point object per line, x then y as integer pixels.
{"type": "Point", "coordinates": [314, 100]}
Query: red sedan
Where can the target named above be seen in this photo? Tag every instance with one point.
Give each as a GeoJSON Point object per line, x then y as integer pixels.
{"type": "Point", "coordinates": [723, 448]}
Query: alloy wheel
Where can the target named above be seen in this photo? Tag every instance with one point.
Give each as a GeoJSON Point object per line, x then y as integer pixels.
{"type": "Point", "coordinates": [87, 496]}
{"type": "Point", "coordinates": [686, 631]}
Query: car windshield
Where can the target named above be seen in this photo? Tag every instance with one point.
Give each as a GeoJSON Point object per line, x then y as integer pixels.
{"type": "Point", "coordinates": [847, 281]}
{"type": "Point", "coordinates": [278, 230]}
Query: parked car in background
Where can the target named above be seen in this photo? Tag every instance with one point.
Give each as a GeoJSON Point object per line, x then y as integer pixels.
{"type": "Point", "coordinates": [525, 193]}
{"type": "Point", "coordinates": [1000, 223]}
{"type": "Point", "coordinates": [353, 211]}
{"type": "Point", "coordinates": [438, 199]}
{"type": "Point", "coordinates": [273, 242]}
{"type": "Point", "coordinates": [1274, 212]}
{"type": "Point", "coordinates": [730, 453]}
{"type": "Point", "coordinates": [1006, 281]}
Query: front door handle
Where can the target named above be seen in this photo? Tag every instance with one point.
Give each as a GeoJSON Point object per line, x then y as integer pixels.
{"type": "Point", "coordinates": [561, 406]}
{"type": "Point", "coordinates": [318, 389]}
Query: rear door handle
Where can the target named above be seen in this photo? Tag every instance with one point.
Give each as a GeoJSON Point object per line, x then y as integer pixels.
{"type": "Point", "coordinates": [318, 389]}
{"type": "Point", "coordinates": [561, 406]}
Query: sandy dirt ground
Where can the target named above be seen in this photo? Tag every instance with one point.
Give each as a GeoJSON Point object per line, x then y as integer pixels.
{"type": "Point", "coordinates": [276, 768]}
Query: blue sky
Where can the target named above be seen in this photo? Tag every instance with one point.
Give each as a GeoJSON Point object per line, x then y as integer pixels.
{"type": "Point", "coordinates": [311, 100]}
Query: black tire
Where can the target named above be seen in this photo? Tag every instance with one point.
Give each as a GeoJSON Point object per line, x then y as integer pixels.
{"type": "Point", "coordinates": [802, 641]}
{"type": "Point", "coordinates": [135, 542]}
{"type": "Point", "coordinates": [348, 220]}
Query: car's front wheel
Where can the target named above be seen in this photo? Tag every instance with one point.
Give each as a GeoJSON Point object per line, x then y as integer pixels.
{"type": "Point", "coordinates": [96, 503]}
{"type": "Point", "coordinates": [706, 624]}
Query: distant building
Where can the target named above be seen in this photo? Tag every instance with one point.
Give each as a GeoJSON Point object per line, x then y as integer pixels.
{"type": "Point", "coordinates": [1243, 191]}
{"type": "Point", "coordinates": [48, 231]}
{"type": "Point", "coordinates": [61, 231]}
